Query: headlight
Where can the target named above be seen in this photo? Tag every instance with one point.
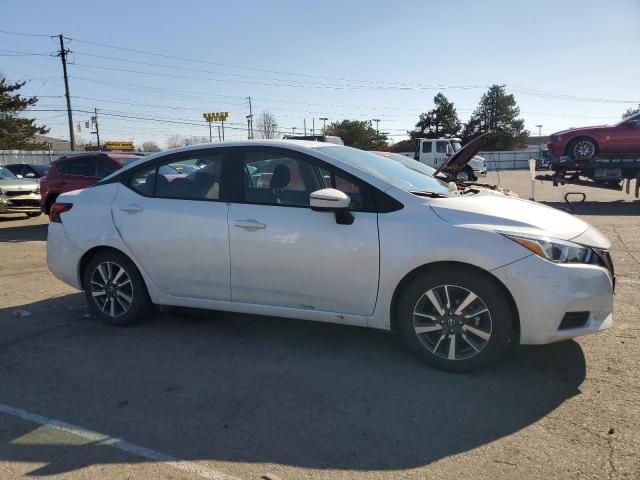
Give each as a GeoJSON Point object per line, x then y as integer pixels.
{"type": "Point", "coordinates": [554, 250]}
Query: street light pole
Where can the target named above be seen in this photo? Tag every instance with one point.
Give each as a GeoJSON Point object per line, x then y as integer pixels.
{"type": "Point", "coordinates": [324, 124]}
{"type": "Point", "coordinates": [293, 130]}
{"type": "Point", "coordinates": [539, 127]}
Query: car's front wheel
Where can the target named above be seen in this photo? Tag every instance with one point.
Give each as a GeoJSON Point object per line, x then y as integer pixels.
{"type": "Point", "coordinates": [115, 289]}
{"type": "Point", "coordinates": [583, 149]}
{"type": "Point", "coordinates": [466, 175]}
{"type": "Point", "coordinates": [455, 318]}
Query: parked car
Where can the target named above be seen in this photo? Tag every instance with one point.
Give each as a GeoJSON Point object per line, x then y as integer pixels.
{"type": "Point", "coordinates": [620, 139]}
{"type": "Point", "coordinates": [72, 172]}
{"type": "Point", "coordinates": [433, 152]}
{"type": "Point", "coordinates": [26, 170]}
{"type": "Point", "coordinates": [356, 239]}
{"type": "Point", "coordinates": [18, 195]}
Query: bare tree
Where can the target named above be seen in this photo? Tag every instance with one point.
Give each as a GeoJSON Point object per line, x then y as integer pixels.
{"type": "Point", "coordinates": [175, 140]}
{"type": "Point", "coordinates": [150, 147]}
{"type": "Point", "coordinates": [266, 125]}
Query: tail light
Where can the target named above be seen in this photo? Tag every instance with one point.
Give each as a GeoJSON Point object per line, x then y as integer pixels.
{"type": "Point", "coordinates": [57, 209]}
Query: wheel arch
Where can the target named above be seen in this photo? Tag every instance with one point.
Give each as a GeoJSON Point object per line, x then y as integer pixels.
{"type": "Point", "coordinates": [409, 277]}
{"type": "Point", "coordinates": [50, 200]}
{"type": "Point", "coordinates": [92, 252]}
{"type": "Point", "coordinates": [571, 142]}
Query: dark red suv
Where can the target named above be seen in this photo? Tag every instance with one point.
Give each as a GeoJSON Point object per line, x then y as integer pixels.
{"type": "Point", "coordinates": [621, 139]}
{"type": "Point", "coordinates": [74, 172]}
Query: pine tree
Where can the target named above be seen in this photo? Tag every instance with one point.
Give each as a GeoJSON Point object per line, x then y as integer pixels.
{"type": "Point", "coordinates": [17, 133]}
{"type": "Point", "coordinates": [441, 121]}
{"type": "Point", "coordinates": [497, 112]}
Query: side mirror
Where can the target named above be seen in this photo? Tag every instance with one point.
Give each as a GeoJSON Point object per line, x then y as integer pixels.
{"type": "Point", "coordinates": [332, 200]}
{"type": "Point", "coordinates": [631, 123]}
{"type": "Point", "coordinates": [449, 150]}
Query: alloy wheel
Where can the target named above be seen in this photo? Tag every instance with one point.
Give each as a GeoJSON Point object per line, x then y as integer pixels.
{"type": "Point", "coordinates": [452, 322]}
{"type": "Point", "coordinates": [111, 289]}
{"type": "Point", "coordinates": [463, 176]}
{"type": "Point", "coordinates": [584, 149]}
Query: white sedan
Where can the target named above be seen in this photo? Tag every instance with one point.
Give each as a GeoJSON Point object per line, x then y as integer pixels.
{"type": "Point", "coordinates": [324, 232]}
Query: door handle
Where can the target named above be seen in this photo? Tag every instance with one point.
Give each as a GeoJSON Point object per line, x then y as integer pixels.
{"type": "Point", "coordinates": [250, 224]}
{"type": "Point", "coordinates": [132, 208]}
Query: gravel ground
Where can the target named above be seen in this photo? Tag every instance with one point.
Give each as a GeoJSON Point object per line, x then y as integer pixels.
{"type": "Point", "coordinates": [248, 396]}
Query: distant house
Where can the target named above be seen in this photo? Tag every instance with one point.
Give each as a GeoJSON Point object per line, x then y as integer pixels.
{"type": "Point", "coordinates": [57, 144]}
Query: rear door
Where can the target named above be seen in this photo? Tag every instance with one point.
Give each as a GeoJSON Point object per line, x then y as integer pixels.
{"type": "Point", "coordinates": [176, 225]}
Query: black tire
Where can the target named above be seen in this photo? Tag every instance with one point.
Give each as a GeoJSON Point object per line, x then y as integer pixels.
{"type": "Point", "coordinates": [34, 214]}
{"type": "Point", "coordinates": [471, 351]}
{"type": "Point", "coordinates": [466, 175]}
{"type": "Point", "coordinates": [117, 293]}
{"type": "Point", "coordinates": [582, 148]}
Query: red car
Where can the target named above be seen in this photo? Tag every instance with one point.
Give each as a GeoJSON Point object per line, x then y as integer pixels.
{"type": "Point", "coordinates": [74, 172]}
{"type": "Point", "coordinates": [621, 139]}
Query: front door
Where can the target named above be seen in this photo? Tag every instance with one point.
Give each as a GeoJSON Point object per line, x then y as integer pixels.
{"type": "Point", "coordinates": [176, 225]}
{"type": "Point", "coordinates": [625, 138]}
{"type": "Point", "coordinates": [285, 254]}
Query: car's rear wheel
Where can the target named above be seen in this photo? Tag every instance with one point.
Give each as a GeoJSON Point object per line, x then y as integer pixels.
{"type": "Point", "coordinates": [456, 319]}
{"type": "Point", "coordinates": [115, 289]}
{"type": "Point", "coordinates": [583, 149]}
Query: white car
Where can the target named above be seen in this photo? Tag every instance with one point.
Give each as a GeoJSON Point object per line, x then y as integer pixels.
{"type": "Point", "coordinates": [330, 233]}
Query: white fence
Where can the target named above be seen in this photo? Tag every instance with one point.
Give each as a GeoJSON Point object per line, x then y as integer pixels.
{"type": "Point", "coordinates": [510, 160]}
{"type": "Point", "coordinates": [37, 157]}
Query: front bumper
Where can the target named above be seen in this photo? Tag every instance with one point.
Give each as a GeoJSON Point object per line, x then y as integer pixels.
{"type": "Point", "coordinates": [24, 203]}
{"type": "Point", "coordinates": [482, 172]}
{"type": "Point", "coordinates": [545, 292]}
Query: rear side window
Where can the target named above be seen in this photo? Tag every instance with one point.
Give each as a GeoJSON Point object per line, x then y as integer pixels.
{"type": "Point", "coordinates": [81, 167]}
{"type": "Point", "coordinates": [194, 177]}
{"type": "Point", "coordinates": [426, 147]}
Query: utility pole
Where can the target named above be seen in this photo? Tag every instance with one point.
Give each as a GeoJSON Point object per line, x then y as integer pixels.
{"type": "Point", "coordinates": [95, 120]}
{"type": "Point", "coordinates": [293, 130]}
{"type": "Point", "coordinates": [313, 125]}
{"type": "Point", "coordinates": [219, 137]}
{"type": "Point", "coordinates": [324, 124]}
{"type": "Point", "coordinates": [63, 56]}
{"type": "Point", "coordinates": [249, 120]}
{"type": "Point", "coordinates": [250, 117]}
{"type": "Point", "coordinates": [304, 122]}
{"type": "Point", "coordinates": [376, 120]}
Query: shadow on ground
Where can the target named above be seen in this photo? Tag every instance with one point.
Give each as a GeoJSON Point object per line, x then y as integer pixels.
{"type": "Point", "coordinates": [244, 388]}
{"type": "Point", "coordinates": [23, 233]}
{"type": "Point", "coordinates": [615, 207]}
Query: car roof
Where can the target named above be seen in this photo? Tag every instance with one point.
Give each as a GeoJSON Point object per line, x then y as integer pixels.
{"type": "Point", "coordinates": [115, 156]}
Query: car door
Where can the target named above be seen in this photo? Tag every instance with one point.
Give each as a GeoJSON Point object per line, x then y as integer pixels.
{"type": "Point", "coordinates": [176, 225]}
{"type": "Point", "coordinates": [625, 137]}
{"type": "Point", "coordinates": [440, 155]}
{"type": "Point", "coordinates": [285, 254]}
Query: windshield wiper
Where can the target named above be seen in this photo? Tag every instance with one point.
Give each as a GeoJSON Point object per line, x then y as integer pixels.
{"type": "Point", "coordinates": [429, 194]}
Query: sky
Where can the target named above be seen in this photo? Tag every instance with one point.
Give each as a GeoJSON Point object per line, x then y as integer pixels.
{"type": "Point", "coordinates": [152, 70]}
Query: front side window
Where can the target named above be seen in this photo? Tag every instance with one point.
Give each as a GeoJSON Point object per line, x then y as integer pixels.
{"type": "Point", "coordinates": [441, 147]}
{"type": "Point", "coordinates": [426, 147]}
{"type": "Point", "coordinates": [170, 180]}
{"type": "Point", "coordinates": [275, 178]}
{"type": "Point", "coordinates": [104, 168]}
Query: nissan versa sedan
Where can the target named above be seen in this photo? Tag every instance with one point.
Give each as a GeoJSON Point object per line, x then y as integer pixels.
{"type": "Point", "coordinates": [323, 232]}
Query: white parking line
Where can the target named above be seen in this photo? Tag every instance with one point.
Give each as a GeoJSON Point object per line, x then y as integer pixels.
{"type": "Point", "coordinates": [101, 439]}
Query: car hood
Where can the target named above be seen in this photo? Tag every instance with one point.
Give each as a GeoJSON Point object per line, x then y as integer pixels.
{"type": "Point", "coordinates": [18, 185]}
{"type": "Point", "coordinates": [465, 154]}
{"type": "Point", "coordinates": [580, 130]}
{"type": "Point", "coordinates": [509, 214]}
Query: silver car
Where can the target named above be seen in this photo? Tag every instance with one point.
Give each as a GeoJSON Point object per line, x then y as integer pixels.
{"type": "Point", "coordinates": [18, 195]}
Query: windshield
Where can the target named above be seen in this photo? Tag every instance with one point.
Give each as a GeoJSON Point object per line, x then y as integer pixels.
{"type": "Point", "coordinates": [635, 118]}
{"type": "Point", "coordinates": [456, 146]}
{"type": "Point", "coordinates": [5, 174]}
{"type": "Point", "coordinates": [407, 176]}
